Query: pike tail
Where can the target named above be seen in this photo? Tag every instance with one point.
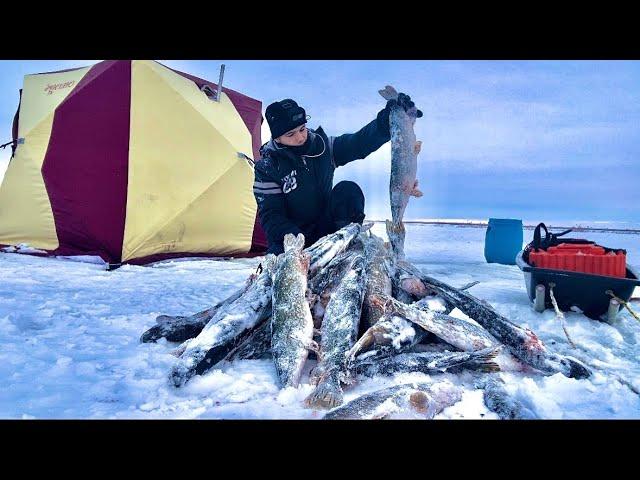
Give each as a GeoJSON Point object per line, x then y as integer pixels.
{"type": "Point", "coordinates": [483, 360]}
{"type": "Point", "coordinates": [327, 394]}
{"type": "Point", "coordinates": [292, 242]}
{"type": "Point", "coordinates": [388, 92]}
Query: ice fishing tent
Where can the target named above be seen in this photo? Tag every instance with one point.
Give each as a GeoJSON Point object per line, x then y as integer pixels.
{"type": "Point", "coordinates": [134, 162]}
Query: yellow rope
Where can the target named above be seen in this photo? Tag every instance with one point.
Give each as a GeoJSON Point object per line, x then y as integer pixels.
{"type": "Point", "coordinates": [559, 314]}
{"type": "Point", "coordinates": [626, 304]}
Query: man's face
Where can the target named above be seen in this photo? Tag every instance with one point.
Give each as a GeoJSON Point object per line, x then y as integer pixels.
{"type": "Point", "coordinates": [294, 137]}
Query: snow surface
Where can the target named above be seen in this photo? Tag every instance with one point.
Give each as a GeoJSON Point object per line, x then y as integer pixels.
{"type": "Point", "coordinates": [70, 331]}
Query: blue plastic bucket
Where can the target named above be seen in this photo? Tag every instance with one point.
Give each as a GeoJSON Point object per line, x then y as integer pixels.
{"type": "Point", "coordinates": [503, 240]}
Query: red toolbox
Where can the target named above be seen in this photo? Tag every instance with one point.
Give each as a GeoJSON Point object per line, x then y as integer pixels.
{"type": "Point", "coordinates": [581, 257]}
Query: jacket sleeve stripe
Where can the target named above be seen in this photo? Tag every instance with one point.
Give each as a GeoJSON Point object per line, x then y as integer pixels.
{"type": "Point", "coordinates": [266, 185]}
{"type": "Point", "coordinates": [269, 191]}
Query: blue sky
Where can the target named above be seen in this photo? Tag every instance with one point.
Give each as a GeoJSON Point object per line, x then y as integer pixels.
{"type": "Point", "coordinates": [537, 140]}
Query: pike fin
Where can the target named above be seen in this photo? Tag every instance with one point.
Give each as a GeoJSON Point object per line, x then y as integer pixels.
{"type": "Point", "coordinates": [419, 402]}
{"type": "Point", "coordinates": [168, 318]}
{"type": "Point", "coordinates": [395, 227]}
{"type": "Point", "coordinates": [468, 285]}
{"type": "Point", "coordinates": [305, 258]}
{"type": "Point", "coordinates": [365, 341]}
{"type": "Point", "coordinates": [415, 192]}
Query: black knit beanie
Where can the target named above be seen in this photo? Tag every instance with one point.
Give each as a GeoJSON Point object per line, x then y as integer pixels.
{"type": "Point", "coordinates": [283, 116]}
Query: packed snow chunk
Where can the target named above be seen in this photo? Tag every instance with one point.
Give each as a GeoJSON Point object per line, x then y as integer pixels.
{"type": "Point", "coordinates": [294, 396]}
{"type": "Point", "coordinates": [471, 406]}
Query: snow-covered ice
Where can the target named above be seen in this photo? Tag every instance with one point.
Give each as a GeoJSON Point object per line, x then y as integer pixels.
{"type": "Point", "coordinates": [70, 339]}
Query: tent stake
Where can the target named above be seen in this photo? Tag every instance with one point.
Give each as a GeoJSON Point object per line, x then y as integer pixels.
{"type": "Point", "coordinates": [220, 83]}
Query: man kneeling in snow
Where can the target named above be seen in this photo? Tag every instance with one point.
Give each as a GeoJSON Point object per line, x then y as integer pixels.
{"type": "Point", "coordinates": [294, 179]}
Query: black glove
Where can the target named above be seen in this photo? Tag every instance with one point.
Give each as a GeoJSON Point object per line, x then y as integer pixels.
{"type": "Point", "coordinates": [404, 101]}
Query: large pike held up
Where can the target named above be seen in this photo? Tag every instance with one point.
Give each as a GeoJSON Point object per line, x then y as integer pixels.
{"type": "Point", "coordinates": [404, 167]}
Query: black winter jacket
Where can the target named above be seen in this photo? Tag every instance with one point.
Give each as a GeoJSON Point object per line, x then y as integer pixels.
{"type": "Point", "coordinates": [292, 190]}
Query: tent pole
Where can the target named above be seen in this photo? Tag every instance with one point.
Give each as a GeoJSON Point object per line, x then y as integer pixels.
{"type": "Point", "coordinates": [220, 83]}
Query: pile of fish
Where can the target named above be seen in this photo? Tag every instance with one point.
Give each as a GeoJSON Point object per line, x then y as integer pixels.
{"type": "Point", "coordinates": [350, 304]}
{"type": "Point", "coordinates": [353, 304]}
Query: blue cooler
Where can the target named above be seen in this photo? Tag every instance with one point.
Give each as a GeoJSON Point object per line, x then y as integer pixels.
{"type": "Point", "coordinates": [503, 240]}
